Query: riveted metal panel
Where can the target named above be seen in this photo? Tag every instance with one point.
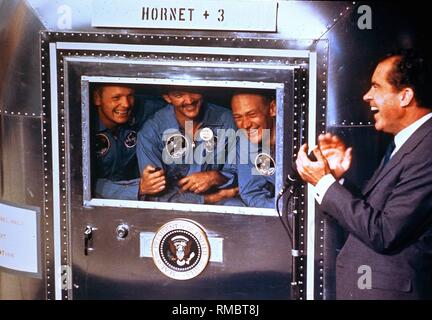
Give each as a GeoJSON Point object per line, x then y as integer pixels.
{"type": "Point", "coordinates": [20, 176]}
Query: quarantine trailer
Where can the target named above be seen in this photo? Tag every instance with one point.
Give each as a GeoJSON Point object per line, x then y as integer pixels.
{"type": "Point", "coordinates": [60, 241]}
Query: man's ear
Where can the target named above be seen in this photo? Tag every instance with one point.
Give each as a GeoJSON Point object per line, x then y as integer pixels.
{"type": "Point", "coordinates": [406, 96]}
{"type": "Point", "coordinates": [97, 99]}
{"type": "Point", "coordinates": [166, 98]}
{"type": "Point", "coordinates": [272, 109]}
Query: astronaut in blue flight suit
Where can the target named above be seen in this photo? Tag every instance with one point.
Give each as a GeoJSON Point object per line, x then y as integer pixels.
{"type": "Point", "coordinates": [119, 116]}
{"type": "Point", "coordinates": [186, 153]}
{"type": "Point", "coordinates": [254, 112]}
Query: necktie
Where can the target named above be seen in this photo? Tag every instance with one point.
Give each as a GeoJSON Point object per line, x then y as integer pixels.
{"type": "Point", "coordinates": [389, 151]}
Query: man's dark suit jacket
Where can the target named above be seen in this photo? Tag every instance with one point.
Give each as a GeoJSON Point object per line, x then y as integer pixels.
{"type": "Point", "coordinates": [389, 225]}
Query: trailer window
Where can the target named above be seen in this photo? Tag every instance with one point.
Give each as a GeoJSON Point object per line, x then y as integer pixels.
{"type": "Point", "coordinates": [168, 146]}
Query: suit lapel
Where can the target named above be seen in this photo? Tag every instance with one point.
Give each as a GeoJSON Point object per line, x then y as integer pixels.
{"type": "Point", "coordinates": [406, 148]}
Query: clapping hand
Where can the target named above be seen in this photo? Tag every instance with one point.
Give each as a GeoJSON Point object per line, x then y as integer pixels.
{"type": "Point", "coordinates": [338, 156]}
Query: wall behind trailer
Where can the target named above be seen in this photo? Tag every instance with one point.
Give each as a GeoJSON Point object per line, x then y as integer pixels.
{"type": "Point", "coordinates": [353, 54]}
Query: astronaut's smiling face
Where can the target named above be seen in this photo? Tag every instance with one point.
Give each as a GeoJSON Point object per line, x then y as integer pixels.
{"type": "Point", "coordinates": [254, 114]}
{"type": "Point", "coordinates": [114, 104]}
{"type": "Point", "coordinates": [187, 105]}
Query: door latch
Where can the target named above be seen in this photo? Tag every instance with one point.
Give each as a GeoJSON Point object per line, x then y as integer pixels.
{"type": "Point", "coordinates": [88, 239]}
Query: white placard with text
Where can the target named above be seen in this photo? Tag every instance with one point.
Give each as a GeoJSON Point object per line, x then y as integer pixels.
{"type": "Point", "coordinates": [18, 238]}
{"type": "Point", "coordinates": [239, 15]}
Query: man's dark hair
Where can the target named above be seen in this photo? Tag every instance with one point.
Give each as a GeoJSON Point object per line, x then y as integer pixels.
{"type": "Point", "coordinates": [412, 69]}
{"type": "Point", "coordinates": [267, 94]}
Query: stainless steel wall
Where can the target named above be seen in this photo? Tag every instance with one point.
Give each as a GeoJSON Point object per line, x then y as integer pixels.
{"type": "Point", "coordinates": [20, 126]}
{"type": "Point", "coordinates": [20, 182]}
{"type": "Point", "coordinates": [20, 58]}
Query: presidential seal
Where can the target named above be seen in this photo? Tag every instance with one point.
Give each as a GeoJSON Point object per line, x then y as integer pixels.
{"type": "Point", "coordinates": [265, 164]}
{"type": "Point", "coordinates": [180, 249]}
{"type": "Point", "coordinates": [176, 145]}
